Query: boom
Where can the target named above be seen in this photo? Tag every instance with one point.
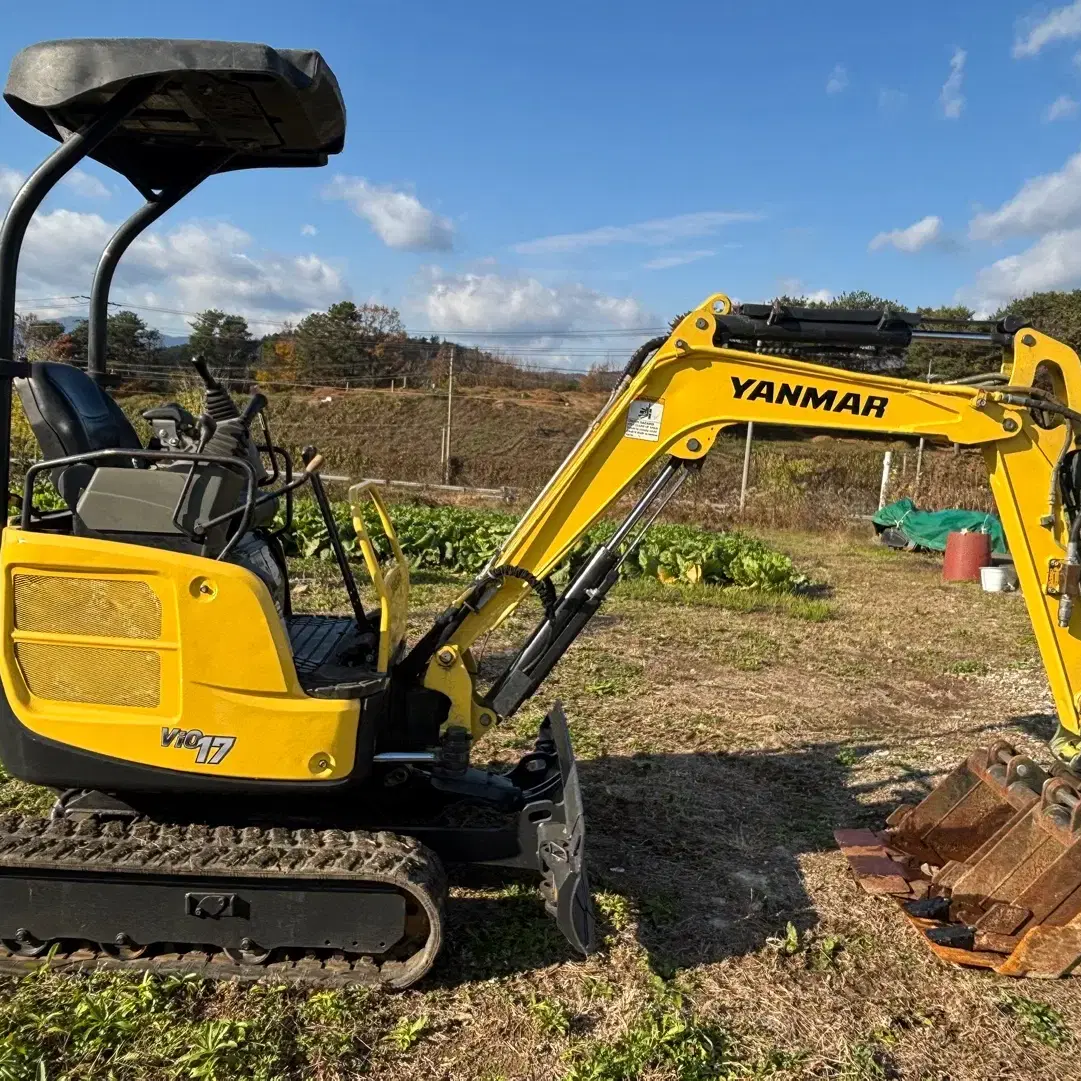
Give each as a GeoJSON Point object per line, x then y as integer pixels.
{"type": "Point", "coordinates": [671, 407]}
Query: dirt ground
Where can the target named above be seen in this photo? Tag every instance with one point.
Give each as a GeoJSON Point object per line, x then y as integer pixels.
{"type": "Point", "coordinates": [722, 738]}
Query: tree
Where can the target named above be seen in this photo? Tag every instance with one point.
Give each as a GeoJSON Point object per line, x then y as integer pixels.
{"type": "Point", "coordinates": [349, 340]}
{"type": "Point", "coordinates": [130, 343]}
{"type": "Point", "coordinates": [41, 339]}
{"type": "Point", "coordinates": [223, 341]}
{"type": "Point", "coordinates": [278, 358]}
{"type": "Point", "coordinates": [1055, 313]}
{"type": "Point", "coordinates": [946, 359]}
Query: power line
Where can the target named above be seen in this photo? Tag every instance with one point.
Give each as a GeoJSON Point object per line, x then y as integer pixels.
{"type": "Point", "coordinates": [536, 333]}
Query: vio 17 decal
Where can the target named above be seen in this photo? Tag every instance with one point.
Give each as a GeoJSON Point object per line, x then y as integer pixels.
{"type": "Point", "coordinates": [804, 396]}
{"type": "Point", "coordinates": [210, 750]}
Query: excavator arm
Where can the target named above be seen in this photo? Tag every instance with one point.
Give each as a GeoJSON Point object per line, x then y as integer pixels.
{"type": "Point", "coordinates": [669, 408]}
{"type": "Point", "coordinates": [988, 866]}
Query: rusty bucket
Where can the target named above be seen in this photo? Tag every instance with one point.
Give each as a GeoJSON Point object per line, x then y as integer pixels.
{"type": "Point", "coordinates": [987, 867]}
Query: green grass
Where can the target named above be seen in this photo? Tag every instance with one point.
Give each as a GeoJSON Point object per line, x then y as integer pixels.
{"type": "Point", "coordinates": [794, 605]}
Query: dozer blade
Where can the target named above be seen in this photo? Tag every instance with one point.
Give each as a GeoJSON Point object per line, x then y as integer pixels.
{"type": "Point", "coordinates": [987, 868]}
{"type": "Point", "coordinates": [561, 848]}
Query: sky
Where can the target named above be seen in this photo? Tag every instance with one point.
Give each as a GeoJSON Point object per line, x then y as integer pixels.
{"type": "Point", "coordinates": [560, 179]}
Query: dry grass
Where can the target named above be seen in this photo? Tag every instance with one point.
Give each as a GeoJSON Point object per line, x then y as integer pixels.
{"type": "Point", "coordinates": [721, 741]}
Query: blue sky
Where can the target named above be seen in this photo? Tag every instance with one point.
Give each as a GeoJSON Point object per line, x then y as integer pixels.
{"type": "Point", "coordinates": [531, 170]}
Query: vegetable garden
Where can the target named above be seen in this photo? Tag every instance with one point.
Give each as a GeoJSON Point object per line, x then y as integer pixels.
{"type": "Point", "coordinates": [462, 540]}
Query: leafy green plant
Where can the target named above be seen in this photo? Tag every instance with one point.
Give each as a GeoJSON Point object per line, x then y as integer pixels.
{"type": "Point", "coordinates": [463, 540]}
{"type": "Point", "coordinates": [408, 1031]}
{"type": "Point", "coordinates": [549, 1015]}
{"type": "Point", "coordinates": [1039, 1021]}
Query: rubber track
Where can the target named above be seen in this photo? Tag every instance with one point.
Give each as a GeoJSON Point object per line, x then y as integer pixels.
{"type": "Point", "coordinates": [248, 852]}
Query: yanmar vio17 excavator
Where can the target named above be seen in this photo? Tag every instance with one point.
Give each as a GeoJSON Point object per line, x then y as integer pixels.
{"type": "Point", "coordinates": [247, 791]}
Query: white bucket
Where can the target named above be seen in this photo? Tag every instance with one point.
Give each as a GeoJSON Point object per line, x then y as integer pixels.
{"type": "Point", "coordinates": [993, 579]}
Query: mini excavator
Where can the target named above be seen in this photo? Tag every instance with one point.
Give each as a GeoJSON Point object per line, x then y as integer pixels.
{"type": "Point", "coordinates": [247, 791]}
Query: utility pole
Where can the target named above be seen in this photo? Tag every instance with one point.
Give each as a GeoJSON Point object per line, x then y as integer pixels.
{"type": "Point", "coordinates": [450, 406]}
{"type": "Point", "coordinates": [919, 452]}
{"type": "Point", "coordinates": [746, 466]}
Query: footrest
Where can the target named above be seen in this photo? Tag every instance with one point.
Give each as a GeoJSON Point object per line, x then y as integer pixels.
{"type": "Point", "coordinates": [315, 639]}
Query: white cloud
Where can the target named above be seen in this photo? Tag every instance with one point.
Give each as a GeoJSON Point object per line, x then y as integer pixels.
{"type": "Point", "coordinates": [666, 262]}
{"type": "Point", "coordinates": [953, 101]}
{"type": "Point", "coordinates": [891, 101]}
{"type": "Point", "coordinates": [194, 266]}
{"type": "Point", "coordinates": [1062, 107]}
{"type": "Point", "coordinates": [1044, 203]}
{"type": "Point", "coordinates": [86, 185]}
{"type": "Point", "coordinates": [1053, 262]}
{"type": "Point", "coordinates": [493, 302]}
{"type": "Point", "coordinates": [912, 239]}
{"type": "Point", "coordinates": [794, 287]}
{"type": "Point", "coordinates": [10, 182]}
{"type": "Point", "coordinates": [308, 230]}
{"type": "Point", "coordinates": [1062, 23]}
{"type": "Point", "coordinates": [398, 217]}
{"type": "Point", "coordinates": [838, 80]}
{"type": "Point", "coordinates": [657, 231]}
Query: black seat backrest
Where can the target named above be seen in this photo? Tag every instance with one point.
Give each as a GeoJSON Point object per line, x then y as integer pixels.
{"type": "Point", "coordinates": [71, 414]}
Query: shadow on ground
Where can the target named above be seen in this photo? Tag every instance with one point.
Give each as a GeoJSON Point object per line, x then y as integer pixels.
{"type": "Point", "coordinates": [699, 851]}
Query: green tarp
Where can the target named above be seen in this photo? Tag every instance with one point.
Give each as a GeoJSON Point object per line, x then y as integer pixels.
{"type": "Point", "coordinates": [929, 528]}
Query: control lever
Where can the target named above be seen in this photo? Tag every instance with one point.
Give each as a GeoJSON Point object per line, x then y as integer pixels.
{"type": "Point", "coordinates": [256, 404]}
{"type": "Point", "coordinates": [207, 427]}
{"type": "Point", "coordinates": [174, 427]}
{"type": "Point", "coordinates": [219, 402]}
{"type": "Point", "coordinates": [313, 461]}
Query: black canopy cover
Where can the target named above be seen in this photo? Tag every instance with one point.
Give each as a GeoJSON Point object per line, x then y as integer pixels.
{"type": "Point", "coordinates": [213, 105]}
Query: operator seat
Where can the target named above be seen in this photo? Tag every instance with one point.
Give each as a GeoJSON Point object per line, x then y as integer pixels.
{"type": "Point", "coordinates": [70, 414]}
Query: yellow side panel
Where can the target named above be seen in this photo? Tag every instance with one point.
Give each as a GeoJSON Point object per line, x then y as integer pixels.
{"type": "Point", "coordinates": [113, 647]}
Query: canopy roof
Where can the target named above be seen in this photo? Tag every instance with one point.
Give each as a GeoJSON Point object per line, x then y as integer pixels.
{"type": "Point", "coordinates": [218, 104]}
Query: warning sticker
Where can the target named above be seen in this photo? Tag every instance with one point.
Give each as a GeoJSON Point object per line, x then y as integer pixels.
{"type": "Point", "coordinates": [644, 420]}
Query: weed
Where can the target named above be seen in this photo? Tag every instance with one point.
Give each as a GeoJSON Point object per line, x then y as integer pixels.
{"type": "Point", "coordinates": [408, 1032]}
{"type": "Point", "coordinates": [597, 988]}
{"type": "Point", "coordinates": [212, 1050]}
{"type": "Point", "coordinates": [847, 756]}
{"type": "Point", "coordinates": [823, 954]}
{"type": "Point", "coordinates": [550, 1016]}
{"type": "Point", "coordinates": [613, 908]}
{"type": "Point", "coordinates": [1038, 1020]}
{"type": "Point", "coordinates": [666, 1037]}
{"type": "Point", "coordinates": [660, 908]}
{"type": "Point", "coordinates": [967, 668]}
{"type": "Point", "coordinates": [752, 651]}
{"type": "Point", "coordinates": [790, 944]}
{"type": "Point", "coordinates": [818, 954]}
{"type": "Point", "coordinates": [606, 687]}
{"type": "Point", "coordinates": [864, 1062]}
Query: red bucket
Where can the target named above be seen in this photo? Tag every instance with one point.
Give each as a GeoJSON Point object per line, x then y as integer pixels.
{"type": "Point", "coordinates": [966, 553]}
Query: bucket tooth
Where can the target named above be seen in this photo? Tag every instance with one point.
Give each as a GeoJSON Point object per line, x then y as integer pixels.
{"type": "Point", "coordinates": [987, 867]}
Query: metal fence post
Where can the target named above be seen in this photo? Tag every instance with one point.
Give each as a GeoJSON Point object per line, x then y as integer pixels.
{"type": "Point", "coordinates": [887, 461]}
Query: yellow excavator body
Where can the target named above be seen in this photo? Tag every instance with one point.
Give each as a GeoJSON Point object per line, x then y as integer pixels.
{"type": "Point", "coordinates": [244, 790]}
